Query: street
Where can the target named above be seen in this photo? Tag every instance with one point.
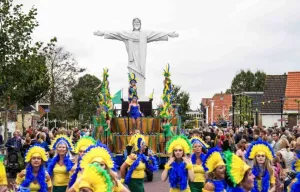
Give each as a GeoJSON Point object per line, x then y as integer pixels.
{"type": "Point", "coordinates": [156, 185]}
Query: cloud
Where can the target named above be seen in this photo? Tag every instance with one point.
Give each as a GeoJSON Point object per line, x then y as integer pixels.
{"type": "Point", "coordinates": [216, 40]}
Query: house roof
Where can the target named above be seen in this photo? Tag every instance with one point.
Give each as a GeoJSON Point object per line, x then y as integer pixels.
{"type": "Point", "coordinates": [274, 89]}
{"type": "Point", "coordinates": [292, 91]}
{"type": "Point", "coordinates": [256, 98]}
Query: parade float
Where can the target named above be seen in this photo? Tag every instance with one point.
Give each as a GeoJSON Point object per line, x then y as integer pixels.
{"type": "Point", "coordinates": [115, 127]}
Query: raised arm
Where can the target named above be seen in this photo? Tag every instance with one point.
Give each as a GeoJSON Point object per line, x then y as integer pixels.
{"type": "Point", "coordinates": [116, 35]}
{"type": "Point", "coordinates": [160, 36]}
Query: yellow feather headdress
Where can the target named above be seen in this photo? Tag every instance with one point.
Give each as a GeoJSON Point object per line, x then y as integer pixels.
{"type": "Point", "coordinates": [179, 141]}
{"type": "Point", "coordinates": [36, 151]}
{"type": "Point", "coordinates": [136, 141]}
{"type": "Point", "coordinates": [259, 147]}
{"type": "Point", "coordinates": [97, 153]}
{"type": "Point", "coordinates": [96, 179]}
{"type": "Point", "coordinates": [235, 167]}
{"type": "Point", "coordinates": [213, 159]}
{"type": "Point", "coordinates": [198, 140]}
{"type": "Point", "coordinates": [59, 139]}
{"type": "Point", "coordinates": [83, 143]}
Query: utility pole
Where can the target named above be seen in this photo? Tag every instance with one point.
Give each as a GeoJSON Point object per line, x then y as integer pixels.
{"type": "Point", "coordinates": [233, 102]}
{"type": "Point", "coordinates": [281, 111]}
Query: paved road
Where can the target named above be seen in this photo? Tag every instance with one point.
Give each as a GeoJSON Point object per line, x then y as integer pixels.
{"type": "Point", "coordinates": [155, 186]}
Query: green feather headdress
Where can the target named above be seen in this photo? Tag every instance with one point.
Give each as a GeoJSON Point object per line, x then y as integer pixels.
{"type": "Point", "coordinates": [179, 141]}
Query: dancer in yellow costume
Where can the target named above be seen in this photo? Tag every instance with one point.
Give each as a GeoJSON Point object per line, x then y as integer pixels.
{"type": "Point", "coordinates": [60, 166]}
{"type": "Point", "coordinates": [262, 155]}
{"type": "Point", "coordinates": [197, 158]}
{"type": "Point", "coordinates": [100, 155]}
{"type": "Point", "coordinates": [295, 184]}
{"type": "Point", "coordinates": [81, 145]}
{"type": "Point", "coordinates": [239, 176]}
{"type": "Point", "coordinates": [35, 177]}
{"type": "Point", "coordinates": [3, 177]}
{"type": "Point", "coordinates": [179, 168]}
{"type": "Point", "coordinates": [214, 165]}
{"type": "Point", "coordinates": [95, 179]}
{"type": "Point", "coordinates": [137, 163]}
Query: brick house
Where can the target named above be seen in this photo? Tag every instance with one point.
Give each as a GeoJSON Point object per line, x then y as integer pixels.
{"type": "Point", "coordinates": [292, 98]}
{"type": "Point", "coordinates": [219, 108]}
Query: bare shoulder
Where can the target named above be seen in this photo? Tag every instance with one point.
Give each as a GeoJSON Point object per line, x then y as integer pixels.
{"type": "Point", "coordinates": [209, 186]}
{"type": "Point", "coordinates": [22, 174]}
{"type": "Point", "coordinates": [132, 156]}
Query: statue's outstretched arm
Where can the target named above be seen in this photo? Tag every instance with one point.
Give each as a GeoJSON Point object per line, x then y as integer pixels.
{"type": "Point", "coordinates": [173, 34]}
{"type": "Point", "coordinates": [99, 33]}
{"type": "Point", "coordinates": [117, 35]}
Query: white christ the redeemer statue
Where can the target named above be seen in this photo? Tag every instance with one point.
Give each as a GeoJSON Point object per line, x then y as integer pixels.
{"type": "Point", "coordinates": [136, 46]}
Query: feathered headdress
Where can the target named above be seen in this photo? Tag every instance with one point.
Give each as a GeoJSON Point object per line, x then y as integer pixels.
{"type": "Point", "coordinates": [96, 178]}
{"type": "Point", "coordinates": [132, 77]}
{"type": "Point", "coordinates": [83, 143]}
{"type": "Point", "coordinates": [62, 139]}
{"type": "Point", "coordinates": [167, 71]}
{"type": "Point", "coordinates": [3, 178]}
{"type": "Point", "coordinates": [37, 151]}
{"type": "Point", "coordinates": [213, 159]}
{"type": "Point", "coordinates": [296, 164]}
{"type": "Point", "coordinates": [97, 153]}
{"type": "Point", "coordinates": [137, 141]}
{"type": "Point", "coordinates": [259, 147]}
{"type": "Point", "coordinates": [179, 141]}
{"type": "Point", "coordinates": [198, 140]}
{"type": "Point", "coordinates": [235, 167]}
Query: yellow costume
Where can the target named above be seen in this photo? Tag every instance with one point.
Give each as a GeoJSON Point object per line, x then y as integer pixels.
{"type": "Point", "coordinates": [82, 144]}
{"type": "Point", "coordinates": [3, 177]}
{"type": "Point", "coordinates": [98, 153]}
{"type": "Point", "coordinates": [96, 179]}
{"type": "Point", "coordinates": [264, 149]}
{"type": "Point", "coordinates": [61, 173]}
{"type": "Point", "coordinates": [199, 173]}
{"type": "Point", "coordinates": [34, 184]}
{"type": "Point", "coordinates": [178, 172]}
{"type": "Point", "coordinates": [212, 160]}
{"type": "Point", "coordinates": [295, 184]}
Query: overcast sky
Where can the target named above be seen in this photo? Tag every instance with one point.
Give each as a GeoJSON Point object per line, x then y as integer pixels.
{"type": "Point", "coordinates": [216, 39]}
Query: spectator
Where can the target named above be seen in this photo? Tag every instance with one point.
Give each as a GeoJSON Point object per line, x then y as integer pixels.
{"type": "Point", "coordinates": [239, 135]}
{"type": "Point", "coordinates": [1, 139]}
{"type": "Point", "coordinates": [241, 149]}
{"type": "Point", "coordinates": [26, 146]}
{"type": "Point", "coordinates": [46, 131]}
{"type": "Point", "coordinates": [276, 146]}
{"type": "Point", "coordinates": [208, 141]}
{"type": "Point", "coordinates": [29, 130]}
{"type": "Point", "coordinates": [226, 143]}
{"type": "Point", "coordinates": [14, 142]}
{"type": "Point", "coordinates": [287, 155]}
{"type": "Point", "coordinates": [42, 141]}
